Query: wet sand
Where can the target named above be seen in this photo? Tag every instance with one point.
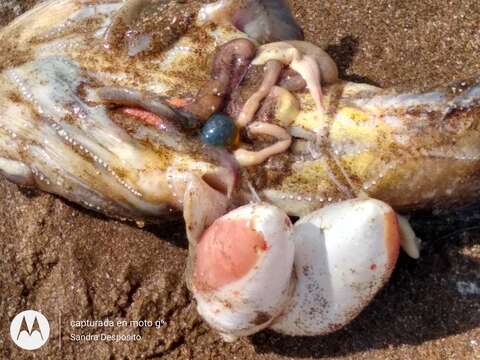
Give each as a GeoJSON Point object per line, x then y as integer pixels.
{"type": "Point", "coordinates": [63, 260]}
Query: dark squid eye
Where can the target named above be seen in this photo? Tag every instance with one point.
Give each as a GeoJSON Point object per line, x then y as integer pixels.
{"type": "Point", "coordinates": [220, 130]}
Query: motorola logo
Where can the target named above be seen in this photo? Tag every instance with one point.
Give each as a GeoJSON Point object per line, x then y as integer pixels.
{"type": "Point", "coordinates": [30, 330]}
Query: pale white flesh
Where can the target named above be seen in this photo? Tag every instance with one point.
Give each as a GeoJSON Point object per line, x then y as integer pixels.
{"type": "Point", "coordinates": [344, 254]}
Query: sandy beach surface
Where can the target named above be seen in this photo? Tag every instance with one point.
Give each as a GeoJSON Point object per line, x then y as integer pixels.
{"type": "Point", "coordinates": [76, 265]}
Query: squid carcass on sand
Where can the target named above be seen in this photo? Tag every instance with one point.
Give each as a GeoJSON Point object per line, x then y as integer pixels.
{"type": "Point", "coordinates": [148, 109]}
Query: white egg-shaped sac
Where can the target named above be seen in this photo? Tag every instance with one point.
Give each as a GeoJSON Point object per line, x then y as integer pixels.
{"type": "Point", "coordinates": [243, 269]}
{"type": "Point", "coordinates": [344, 253]}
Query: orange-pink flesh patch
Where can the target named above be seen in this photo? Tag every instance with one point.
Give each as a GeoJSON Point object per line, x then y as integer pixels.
{"type": "Point", "coordinates": [144, 115]}
{"type": "Point", "coordinates": [226, 252]}
{"type": "Point", "coordinates": [178, 102]}
{"type": "Point", "coordinates": [392, 236]}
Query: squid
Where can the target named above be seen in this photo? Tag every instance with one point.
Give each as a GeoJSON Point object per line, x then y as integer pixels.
{"type": "Point", "coordinates": [222, 114]}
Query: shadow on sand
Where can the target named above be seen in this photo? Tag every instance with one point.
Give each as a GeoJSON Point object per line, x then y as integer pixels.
{"type": "Point", "coordinates": [343, 54]}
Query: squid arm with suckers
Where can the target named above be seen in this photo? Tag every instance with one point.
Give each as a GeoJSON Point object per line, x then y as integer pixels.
{"type": "Point", "coordinates": [147, 110]}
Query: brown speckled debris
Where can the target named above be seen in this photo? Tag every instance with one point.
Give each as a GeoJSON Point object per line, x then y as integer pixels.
{"type": "Point", "coordinates": [62, 260]}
